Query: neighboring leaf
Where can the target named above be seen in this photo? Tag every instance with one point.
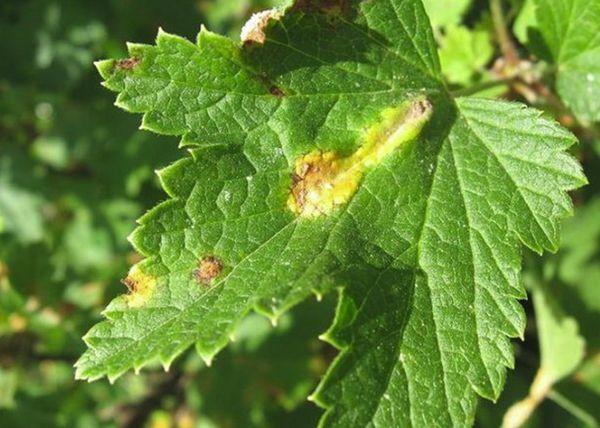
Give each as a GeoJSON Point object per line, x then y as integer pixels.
{"type": "Point", "coordinates": [8, 386]}
{"type": "Point", "coordinates": [570, 29]}
{"type": "Point", "coordinates": [578, 260]}
{"type": "Point", "coordinates": [565, 300]}
{"type": "Point", "coordinates": [52, 151]}
{"type": "Point", "coordinates": [525, 21]}
{"type": "Point", "coordinates": [575, 272]}
{"type": "Point", "coordinates": [589, 374]}
{"type": "Point", "coordinates": [20, 212]}
{"type": "Point", "coordinates": [443, 13]}
{"type": "Point", "coordinates": [464, 53]}
{"type": "Point", "coordinates": [277, 367]}
{"type": "Point", "coordinates": [561, 350]}
{"type": "Point", "coordinates": [556, 332]}
{"type": "Point", "coordinates": [331, 156]}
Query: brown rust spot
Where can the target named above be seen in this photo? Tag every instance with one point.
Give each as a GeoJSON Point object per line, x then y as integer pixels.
{"type": "Point", "coordinates": [208, 269]}
{"type": "Point", "coordinates": [127, 63]}
{"type": "Point", "coordinates": [275, 90]}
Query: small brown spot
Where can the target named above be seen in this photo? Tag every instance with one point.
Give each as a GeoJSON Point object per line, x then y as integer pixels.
{"type": "Point", "coordinates": [208, 269]}
{"type": "Point", "coordinates": [127, 63]}
{"type": "Point", "coordinates": [274, 90]}
{"type": "Point", "coordinates": [130, 283]}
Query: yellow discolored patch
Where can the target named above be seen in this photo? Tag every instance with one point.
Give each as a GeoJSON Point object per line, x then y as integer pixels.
{"type": "Point", "coordinates": [320, 182]}
{"type": "Point", "coordinates": [323, 180]}
{"type": "Point", "coordinates": [140, 285]}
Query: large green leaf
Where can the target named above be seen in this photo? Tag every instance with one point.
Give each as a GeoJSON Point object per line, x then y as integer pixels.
{"type": "Point", "coordinates": [330, 155]}
{"type": "Point", "coordinates": [415, 349]}
{"type": "Point", "coordinates": [570, 29]}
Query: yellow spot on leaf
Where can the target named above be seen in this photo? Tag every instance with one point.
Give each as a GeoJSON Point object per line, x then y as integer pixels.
{"type": "Point", "coordinates": [141, 287]}
{"type": "Point", "coordinates": [322, 181]}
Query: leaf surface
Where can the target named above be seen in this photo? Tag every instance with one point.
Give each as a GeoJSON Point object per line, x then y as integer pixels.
{"type": "Point", "coordinates": [416, 348]}
{"type": "Point", "coordinates": [331, 156]}
{"type": "Point", "coordinates": [570, 29]}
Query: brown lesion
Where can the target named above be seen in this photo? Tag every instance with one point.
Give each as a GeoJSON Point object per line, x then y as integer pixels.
{"type": "Point", "coordinates": [276, 90]}
{"type": "Point", "coordinates": [140, 286]}
{"type": "Point", "coordinates": [318, 184]}
{"type": "Point", "coordinates": [130, 283]}
{"type": "Point", "coordinates": [253, 32]}
{"type": "Point", "coordinates": [208, 269]}
{"type": "Point", "coordinates": [127, 63]}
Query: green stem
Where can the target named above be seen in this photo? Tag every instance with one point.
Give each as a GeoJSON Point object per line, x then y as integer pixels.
{"type": "Point", "coordinates": [507, 46]}
{"type": "Point", "coordinates": [482, 86]}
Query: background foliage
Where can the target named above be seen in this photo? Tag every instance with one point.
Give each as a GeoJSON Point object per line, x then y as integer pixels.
{"type": "Point", "coordinates": [75, 173]}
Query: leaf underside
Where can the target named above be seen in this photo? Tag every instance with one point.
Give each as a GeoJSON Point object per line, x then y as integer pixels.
{"type": "Point", "coordinates": [425, 251]}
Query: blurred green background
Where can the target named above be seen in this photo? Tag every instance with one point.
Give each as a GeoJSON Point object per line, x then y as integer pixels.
{"type": "Point", "coordinates": [75, 173]}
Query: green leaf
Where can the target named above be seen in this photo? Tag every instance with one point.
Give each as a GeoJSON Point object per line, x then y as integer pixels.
{"type": "Point", "coordinates": [20, 211]}
{"type": "Point", "coordinates": [420, 361]}
{"type": "Point", "coordinates": [570, 30]}
{"type": "Point", "coordinates": [525, 20]}
{"type": "Point", "coordinates": [326, 153]}
{"type": "Point", "coordinates": [561, 348]}
{"type": "Point", "coordinates": [581, 247]}
{"type": "Point", "coordinates": [443, 13]}
{"type": "Point", "coordinates": [464, 54]}
{"type": "Point", "coordinates": [8, 382]}
{"type": "Point", "coordinates": [240, 214]}
{"type": "Point", "coordinates": [556, 331]}
{"type": "Point", "coordinates": [578, 272]}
